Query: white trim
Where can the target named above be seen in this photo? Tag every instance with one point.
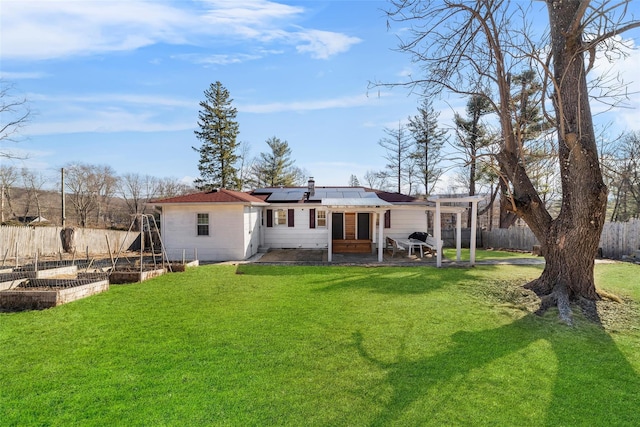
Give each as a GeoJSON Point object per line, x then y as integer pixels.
{"type": "Point", "coordinates": [198, 224]}
{"type": "Point", "coordinates": [474, 221]}
{"type": "Point", "coordinates": [317, 218]}
{"type": "Point", "coordinates": [276, 223]}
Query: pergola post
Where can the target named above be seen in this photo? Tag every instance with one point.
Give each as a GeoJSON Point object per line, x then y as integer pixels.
{"type": "Point", "coordinates": [330, 235]}
{"type": "Point", "coordinates": [438, 225]}
{"type": "Point", "coordinates": [437, 229]}
{"type": "Point", "coordinates": [472, 240]}
{"type": "Point", "coordinates": [380, 237]}
{"type": "Point", "coordinates": [458, 236]}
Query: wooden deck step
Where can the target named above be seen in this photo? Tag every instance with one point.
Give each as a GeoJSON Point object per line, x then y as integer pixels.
{"type": "Point", "coordinates": [350, 246]}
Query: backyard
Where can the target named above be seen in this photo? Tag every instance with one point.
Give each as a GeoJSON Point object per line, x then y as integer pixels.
{"type": "Point", "coordinates": [324, 345]}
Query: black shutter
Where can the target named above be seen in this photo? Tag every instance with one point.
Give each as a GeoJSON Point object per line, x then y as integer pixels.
{"type": "Point", "coordinates": [269, 217]}
{"type": "Point", "coordinates": [290, 217]}
{"type": "Point", "coordinates": [387, 219]}
{"type": "Point", "coordinates": [312, 218]}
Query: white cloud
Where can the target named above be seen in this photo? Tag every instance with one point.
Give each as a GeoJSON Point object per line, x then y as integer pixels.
{"type": "Point", "coordinates": [218, 59]}
{"type": "Point", "coordinates": [109, 113]}
{"type": "Point", "coordinates": [21, 75]}
{"type": "Point", "coordinates": [323, 44]}
{"type": "Point", "coordinates": [321, 104]}
{"type": "Point", "coordinates": [248, 18]}
{"type": "Point", "coordinates": [107, 121]}
{"type": "Point", "coordinates": [51, 29]}
{"type": "Point", "coordinates": [55, 29]}
{"type": "Point", "coordinates": [151, 101]}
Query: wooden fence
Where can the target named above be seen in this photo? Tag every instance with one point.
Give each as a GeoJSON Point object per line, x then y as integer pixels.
{"type": "Point", "coordinates": [520, 238]}
{"type": "Point", "coordinates": [617, 240]}
{"type": "Point", "coordinates": [27, 241]}
{"type": "Point", "coordinates": [620, 238]}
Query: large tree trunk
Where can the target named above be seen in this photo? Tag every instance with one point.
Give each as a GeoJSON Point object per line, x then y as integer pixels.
{"type": "Point", "coordinates": [569, 242]}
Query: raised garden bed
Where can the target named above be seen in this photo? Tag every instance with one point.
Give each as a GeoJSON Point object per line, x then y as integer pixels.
{"type": "Point", "coordinates": [121, 276]}
{"type": "Point", "coordinates": [48, 273]}
{"type": "Point", "coordinates": [37, 294]}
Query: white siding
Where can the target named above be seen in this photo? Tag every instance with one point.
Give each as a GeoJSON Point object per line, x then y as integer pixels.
{"type": "Point", "coordinates": [299, 236]}
{"type": "Point", "coordinates": [236, 231]}
{"type": "Point", "coordinates": [405, 221]}
{"type": "Point", "coordinates": [226, 239]}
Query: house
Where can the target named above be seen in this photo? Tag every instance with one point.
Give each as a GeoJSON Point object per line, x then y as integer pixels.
{"type": "Point", "coordinates": [220, 224]}
{"type": "Point", "coordinates": [232, 225]}
{"type": "Point", "coordinates": [32, 220]}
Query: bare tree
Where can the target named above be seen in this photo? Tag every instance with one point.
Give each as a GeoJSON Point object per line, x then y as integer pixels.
{"type": "Point", "coordinates": [244, 165]}
{"type": "Point", "coordinates": [376, 179]}
{"type": "Point", "coordinates": [625, 181]}
{"type": "Point", "coordinates": [171, 187]}
{"type": "Point", "coordinates": [106, 187]}
{"type": "Point", "coordinates": [137, 190]}
{"type": "Point", "coordinates": [14, 113]}
{"type": "Point", "coordinates": [397, 146]}
{"type": "Point", "coordinates": [32, 182]}
{"type": "Point", "coordinates": [88, 186]}
{"type": "Point", "coordinates": [8, 178]}
{"type": "Point", "coordinates": [300, 176]}
{"type": "Point", "coordinates": [473, 47]}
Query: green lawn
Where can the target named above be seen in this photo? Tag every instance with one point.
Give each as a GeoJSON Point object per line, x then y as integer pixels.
{"type": "Point", "coordinates": [319, 346]}
{"type": "Point", "coordinates": [485, 255]}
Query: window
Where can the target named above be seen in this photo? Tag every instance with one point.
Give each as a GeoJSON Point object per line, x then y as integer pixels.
{"type": "Point", "coordinates": [321, 220]}
{"type": "Point", "coordinates": [281, 217]}
{"type": "Point", "coordinates": [203, 224]}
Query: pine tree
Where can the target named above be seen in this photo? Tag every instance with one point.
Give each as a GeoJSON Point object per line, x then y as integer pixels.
{"type": "Point", "coordinates": [473, 136]}
{"type": "Point", "coordinates": [428, 141]}
{"type": "Point", "coordinates": [218, 133]}
{"type": "Point", "coordinates": [275, 168]}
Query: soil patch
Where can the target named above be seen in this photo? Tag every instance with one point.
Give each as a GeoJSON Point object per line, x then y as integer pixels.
{"type": "Point", "coordinates": [614, 316]}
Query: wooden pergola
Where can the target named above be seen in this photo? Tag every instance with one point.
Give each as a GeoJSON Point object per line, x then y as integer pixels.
{"type": "Point", "coordinates": [371, 205]}
{"type": "Point", "coordinates": [458, 210]}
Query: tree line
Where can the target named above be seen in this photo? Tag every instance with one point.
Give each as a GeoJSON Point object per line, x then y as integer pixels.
{"type": "Point", "coordinates": [417, 150]}
{"type": "Point", "coordinates": [95, 196]}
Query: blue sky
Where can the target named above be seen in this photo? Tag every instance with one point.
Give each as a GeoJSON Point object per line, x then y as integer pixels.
{"type": "Point", "coordinates": [118, 82]}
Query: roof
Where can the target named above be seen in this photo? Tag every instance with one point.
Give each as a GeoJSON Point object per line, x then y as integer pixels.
{"type": "Point", "coordinates": [299, 195]}
{"type": "Point", "coordinates": [356, 202]}
{"type": "Point", "coordinates": [216, 196]}
{"type": "Point", "coordinates": [326, 196]}
{"type": "Point", "coordinates": [31, 219]}
{"type": "Point", "coordinates": [394, 197]}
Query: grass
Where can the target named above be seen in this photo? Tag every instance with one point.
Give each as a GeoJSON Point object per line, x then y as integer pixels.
{"type": "Point", "coordinates": [485, 255]}
{"type": "Point", "coordinates": [270, 345]}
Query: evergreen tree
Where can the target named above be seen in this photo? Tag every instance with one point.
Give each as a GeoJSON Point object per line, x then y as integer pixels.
{"type": "Point", "coordinates": [275, 168]}
{"type": "Point", "coordinates": [218, 133]}
{"type": "Point", "coordinates": [353, 181]}
{"type": "Point", "coordinates": [473, 136]}
{"type": "Point", "coordinates": [530, 128]}
{"type": "Point", "coordinates": [428, 143]}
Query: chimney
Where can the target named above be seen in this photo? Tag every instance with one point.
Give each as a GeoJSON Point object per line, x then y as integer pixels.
{"type": "Point", "coordinates": [311, 186]}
